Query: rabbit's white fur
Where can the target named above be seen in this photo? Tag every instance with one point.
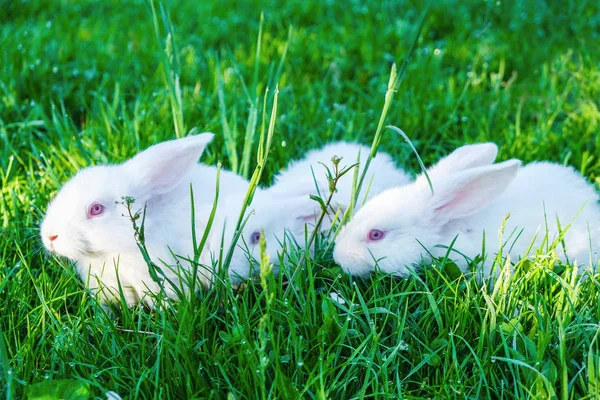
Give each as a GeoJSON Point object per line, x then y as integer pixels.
{"type": "Point", "coordinates": [285, 210]}
{"type": "Point", "coordinates": [159, 178]}
{"type": "Point", "coordinates": [466, 203]}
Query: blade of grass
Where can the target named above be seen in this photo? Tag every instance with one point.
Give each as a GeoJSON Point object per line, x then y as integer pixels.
{"type": "Point", "coordinates": [262, 155]}
{"type": "Point", "coordinates": [416, 153]}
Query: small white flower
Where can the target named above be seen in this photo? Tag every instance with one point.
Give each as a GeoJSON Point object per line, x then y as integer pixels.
{"type": "Point", "coordinates": [112, 396]}
{"type": "Point", "coordinates": [335, 296]}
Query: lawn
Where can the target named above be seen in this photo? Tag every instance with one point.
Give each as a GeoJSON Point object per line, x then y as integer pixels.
{"type": "Point", "coordinates": [89, 82]}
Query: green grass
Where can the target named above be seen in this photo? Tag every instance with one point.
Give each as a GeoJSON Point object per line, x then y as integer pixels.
{"type": "Point", "coordinates": [86, 82]}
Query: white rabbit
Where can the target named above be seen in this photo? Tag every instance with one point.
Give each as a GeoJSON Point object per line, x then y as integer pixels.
{"type": "Point", "coordinates": [87, 221]}
{"type": "Point", "coordinates": [284, 210]}
{"type": "Point", "coordinates": [399, 228]}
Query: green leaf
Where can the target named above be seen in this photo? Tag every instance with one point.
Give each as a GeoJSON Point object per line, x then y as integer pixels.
{"type": "Point", "coordinates": [319, 200]}
{"type": "Point", "coordinates": [68, 389]}
{"type": "Point", "coordinates": [550, 372]}
{"type": "Point", "coordinates": [452, 270]}
{"type": "Point", "coordinates": [329, 314]}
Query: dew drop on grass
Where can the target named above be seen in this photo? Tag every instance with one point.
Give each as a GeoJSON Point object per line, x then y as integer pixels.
{"type": "Point", "coordinates": [32, 103]}
{"type": "Point", "coordinates": [55, 70]}
{"type": "Point", "coordinates": [283, 143]}
{"type": "Point", "coordinates": [300, 363]}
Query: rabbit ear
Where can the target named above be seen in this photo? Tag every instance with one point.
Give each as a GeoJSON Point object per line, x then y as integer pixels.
{"type": "Point", "coordinates": [467, 192]}
{"type": "Point", "coordinates": [307, 211]}
{"type": "Point", "coordinates": [465, 157]}
{"type": "Point", "coordinates": [161, 167]}
{"type": "Point", "coordinates": [303, 211]}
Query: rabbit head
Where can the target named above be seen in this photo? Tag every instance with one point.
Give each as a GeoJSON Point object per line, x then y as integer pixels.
{"type": "Point", "coordinates": [87, 221]}
{"type": "Point", "coordinates": [283, 219]}
{"type": "Point", "coordinates": [86, 216]}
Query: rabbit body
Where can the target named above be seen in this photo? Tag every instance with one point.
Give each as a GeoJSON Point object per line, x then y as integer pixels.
{"type": "Point", "coordinates": [543, 200]}
{"type": "Point", "coordinates": [402, 227]}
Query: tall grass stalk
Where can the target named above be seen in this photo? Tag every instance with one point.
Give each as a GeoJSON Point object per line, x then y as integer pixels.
{"type": "Point", "coordinates": [253, 103]}
{"type": "Point", "coordinates": [228, 134]}
{"type": "Point", "coordinates": [264, 146]}
{"type": "Point", "coordinates": [393, 83]}
{"type": "Point", "coordinates": [198, 248]}
{"type": "Point", "coordinates": [171, 69]}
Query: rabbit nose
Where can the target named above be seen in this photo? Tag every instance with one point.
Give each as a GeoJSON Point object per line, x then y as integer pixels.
{"type": "Point", "coordinates": [52, 237]}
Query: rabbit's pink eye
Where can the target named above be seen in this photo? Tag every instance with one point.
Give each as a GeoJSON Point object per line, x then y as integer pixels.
{"type": "Point", "coordinates": [376, 234]}
{"type": "Point", "coordinates": [96, 209]}
{"type": "Point", "coordinates": [255, 237]}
